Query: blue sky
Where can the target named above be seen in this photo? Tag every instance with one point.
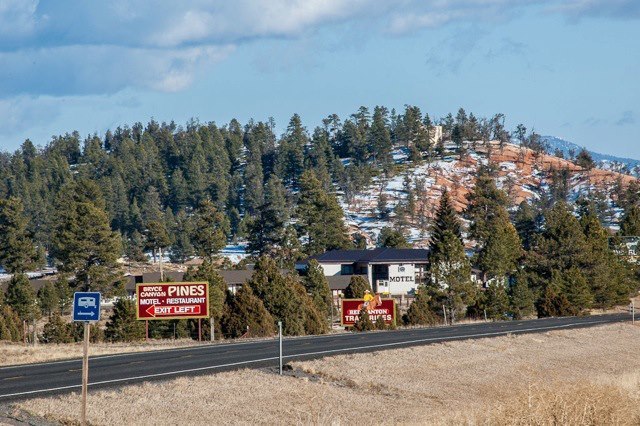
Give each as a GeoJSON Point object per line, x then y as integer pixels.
{"type": "Point", "coordinates": [567, 68]}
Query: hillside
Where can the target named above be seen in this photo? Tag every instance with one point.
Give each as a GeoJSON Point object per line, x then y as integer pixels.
{"type": "Point", "coordinates": [603, 160]}
{"type": "Point", "coordinates": [524, 174]}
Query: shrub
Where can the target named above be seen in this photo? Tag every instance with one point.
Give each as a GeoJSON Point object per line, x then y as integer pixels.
{"type": "Point", "coordinates": [57, 330]}
{"type": "Point", "coordinates": [123, 326]}
{"type": "Point", "coordinates": [364, 322]}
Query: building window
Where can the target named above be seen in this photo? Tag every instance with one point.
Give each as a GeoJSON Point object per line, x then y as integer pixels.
{"type": "Point", "coordinates": [346, 270]}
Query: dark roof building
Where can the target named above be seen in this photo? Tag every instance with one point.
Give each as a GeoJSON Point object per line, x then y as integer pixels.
{"type": "Point", "coordinates": [389, 270]}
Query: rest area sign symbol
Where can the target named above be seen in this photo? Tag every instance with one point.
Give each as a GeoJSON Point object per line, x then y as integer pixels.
{"type": "Point", "coordinates": [86, 306]}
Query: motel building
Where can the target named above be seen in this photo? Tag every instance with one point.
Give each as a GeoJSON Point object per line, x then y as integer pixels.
{"type": "Point", "coordinates": [389, 270]}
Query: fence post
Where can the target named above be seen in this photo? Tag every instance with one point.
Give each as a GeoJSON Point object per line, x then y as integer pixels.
{"type": "Point", "coordinates": [444, 311]}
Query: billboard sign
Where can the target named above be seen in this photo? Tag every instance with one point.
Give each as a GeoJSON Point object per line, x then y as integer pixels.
{"type": "Point", "coordinates": [376, 308]}
{"type": "Point", "coordinates": [161, 301]}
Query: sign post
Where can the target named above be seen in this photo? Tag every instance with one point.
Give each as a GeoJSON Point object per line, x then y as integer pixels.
{"type": "Point", "coordinates": [280, 344]}
{"type": "Point", "coordinates": [86, 309]}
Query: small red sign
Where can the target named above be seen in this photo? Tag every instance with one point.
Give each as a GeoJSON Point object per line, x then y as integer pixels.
{"type": "Point", "coordinates": [160, 301]}
{"type": "Point", "coordinates": [376, 308]}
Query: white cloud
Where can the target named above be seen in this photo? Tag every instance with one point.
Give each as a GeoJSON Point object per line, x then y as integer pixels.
{"type": "Point", "coordinates": [17, 18]}
{"type": "Point", "coordinates": [25, 112]}
{"type": "Point", "coordinates": [84, 47]}
{"type": "Point", "coordinates": [80, 69]}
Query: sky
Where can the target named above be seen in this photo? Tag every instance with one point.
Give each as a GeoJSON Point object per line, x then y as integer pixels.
{"type": "Point", "coordinates": [567, 68]}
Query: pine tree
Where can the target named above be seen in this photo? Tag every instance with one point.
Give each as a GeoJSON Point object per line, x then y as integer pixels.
{"type": "Point", "coordinates": [553, 303]}
{"type": "Point", "coordinates": [486, 204]}
{"type": "Point", "coordinates": [217, 291]}
{"type": "Point", "coordinates": [521, 298]}
{"type": "Point", "coordinates": [497, 301]}
{"type": "Point", "coordinates": [357, 287]}
{"type": "Point", "coordinates": [420, 311]}
{"type": "Point", "coordinates": [57, 331]}
{"type": "Point", "coordinates": [446, 219]}
{"type": "Point", "coordinates": [21, 297]}
{"type": "Point", "coordinates": [561, 246]}
{"type": "Point", "coordinates": [392, 238]}
{"type": "Point", "coordinates": [525, 221]}
{"type": "Point", "coordinates": [449, 267]}
{"type": "Point", "coordinates": [380, 138]}
{"type": "Point", "coordinates": [245, 313]}
{"type": "Point", "coordinates": [317, 287]}
{"type": "Point", "coordinates": [11, 327]}
{"type": "Point", "coordinates": [630, 224]}
{"type": "Point", "coordinates": [609, 281]}
{"type": "Point", "coordinates": [500, 252]}
{"type": "Point", "coordinates": [182, 249]}
{"type": "Point", "coordinates": [573, 285]}
{"type": "Point", "coordinates": [211, 230]}
{"type": "Point", "coordinates": [285, 299]}
{"type": "Point", "coordinates": [157, 237]}
{"type": "Point", "coordinates": [48, 299]}
{"type": "Point", "coordinates": [320, 217]}
{"type": "Point", "coordinates": [134, 247]}
{"type": "Point", "coordinates": [64, 294]}
{"type": "Point", "coordinates": [123, 325]}
{"type": "Point", "coordinates": [585, 160]}
{"type": "Point", "coordinates": [290, 164]}
{"type": "Point", "coordinates": [179, 190]}
{"type": "Point", "coordinates": [17, 251]}
{"type": "Point", "coordinates": [267, 229]}
{"type": "Point", "coordinates": [83, 242]}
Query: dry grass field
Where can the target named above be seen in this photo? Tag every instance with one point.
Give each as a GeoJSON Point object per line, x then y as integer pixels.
{"type": "Point", "coordinates": [575, 377]}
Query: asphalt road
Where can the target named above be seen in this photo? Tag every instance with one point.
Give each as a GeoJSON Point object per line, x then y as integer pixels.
{"type": "Point", "coordinates": [19, 382]}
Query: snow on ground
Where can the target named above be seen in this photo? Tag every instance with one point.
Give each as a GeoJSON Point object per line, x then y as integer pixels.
{"type": "Point", "coordinates": [524, 176]}
{"type": "Point", "coordinates": [235, 252]}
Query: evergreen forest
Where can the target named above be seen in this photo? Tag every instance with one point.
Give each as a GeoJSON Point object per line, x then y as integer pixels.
{"type": "Point", "coordinates": [81, 203]}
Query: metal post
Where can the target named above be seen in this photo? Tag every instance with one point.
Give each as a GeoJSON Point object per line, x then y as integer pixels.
{"type": "Point", "coordinates": [85, 373]}
{"type": "Point", "coordinates": [35, 334]}
{"type": "Point", "coordinates": [280, 344]}
{"type": "Point", "coordinates": [174, 331]}
{"type": "Point", "coordinates": [146, 330]}
{"type": "Point", "coordinates": [199, 329]}
{"type": "Point", "coordinates": [212, 333]}
{"type": "Point", "coordinates": [633, 312]}
{"type": "Point", "coordinates": [161, 274]}
{"type": "Point", "coordinates": [444, 311]}
{"type": "Point", "coordinates": [485, 314]}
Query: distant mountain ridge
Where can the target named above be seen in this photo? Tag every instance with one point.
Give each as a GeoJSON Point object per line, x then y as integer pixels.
{"type": "Point", "coordinates": [565, 147]}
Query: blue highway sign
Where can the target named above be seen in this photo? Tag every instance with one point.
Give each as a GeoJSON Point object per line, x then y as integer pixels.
{"type": "Point", "coordinates": [86, 306]}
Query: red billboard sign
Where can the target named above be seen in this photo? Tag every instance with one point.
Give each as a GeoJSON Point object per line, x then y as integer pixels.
{"type": "Point", "coordinates": [376, 308]}
{"type": "Point", "coordinates": [160, 301]}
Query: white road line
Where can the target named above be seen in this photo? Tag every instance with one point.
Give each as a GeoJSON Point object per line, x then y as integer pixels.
{"type": "Point", "coordinates": [381, 345]}
{"type": "Point", "coordinates": [209, 346]}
